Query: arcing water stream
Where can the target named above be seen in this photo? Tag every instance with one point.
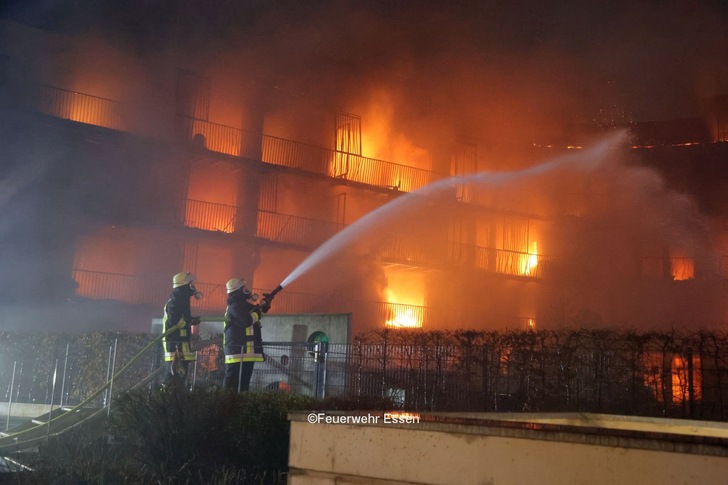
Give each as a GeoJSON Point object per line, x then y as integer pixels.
{"type": "Point", "coordinates": [382, 216]}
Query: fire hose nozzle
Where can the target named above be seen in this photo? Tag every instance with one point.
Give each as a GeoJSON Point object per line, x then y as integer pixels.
{"type": "Point", "coordinates": [268, 298]}
{"type": "Point", "coordinates": [272, 294]}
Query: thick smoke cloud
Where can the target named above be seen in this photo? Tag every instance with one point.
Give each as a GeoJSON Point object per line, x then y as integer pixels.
{"type": "Point", "coordinates": [499, 73]}
{"type": "Point", "coordinates": [499, 70]}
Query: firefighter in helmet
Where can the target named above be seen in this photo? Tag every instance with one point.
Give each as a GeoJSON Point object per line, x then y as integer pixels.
{"type": "Point", "coordinates": [242, 335]}
{"type": "Point", "coordinates": [177, 352]}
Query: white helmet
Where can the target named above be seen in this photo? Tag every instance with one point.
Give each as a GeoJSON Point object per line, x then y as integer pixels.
{"type": "Point", "coordinates": [234, 285]}
{"type": "Point", "coordinates": [181, 279]}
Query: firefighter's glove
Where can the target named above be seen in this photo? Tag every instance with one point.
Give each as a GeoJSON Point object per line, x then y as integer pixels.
{"type": "Point", "coordinates": [195, 321]}
{"type": "Point", "coordinates": [265, 306]}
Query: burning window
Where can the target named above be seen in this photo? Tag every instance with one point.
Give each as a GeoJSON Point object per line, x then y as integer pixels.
{"type": "Point", "coordinates": [682, 268]}
{"type": "Point", "coordinates": [404, 316]}
{"type": "Point", "coordinates": [404, 297]}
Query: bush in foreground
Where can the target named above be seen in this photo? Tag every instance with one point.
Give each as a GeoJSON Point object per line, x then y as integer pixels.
{"type": "Point", "coordinates": [178, 437]}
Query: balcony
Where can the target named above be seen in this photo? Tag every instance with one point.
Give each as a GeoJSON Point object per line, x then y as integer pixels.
{"type": "Point", "coordinates": [309, 158]}
{"type": "Point", "coordinates": [80, 107]}
{"type": "Point", "coordinates": [108, 113]}
{"type": "Point", "coordinates": [299, 231]}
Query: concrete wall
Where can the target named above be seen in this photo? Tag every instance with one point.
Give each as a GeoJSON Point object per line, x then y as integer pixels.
{"type": "Point", "coordinates": [24, 410]}
{"type": "Point", "coordinates": [484, 449]}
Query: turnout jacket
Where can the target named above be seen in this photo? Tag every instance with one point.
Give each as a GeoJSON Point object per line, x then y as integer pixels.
{"type": "Point", "coordinates": [242, 336]}
{"type": "Point", "coordinates": [177, 309]}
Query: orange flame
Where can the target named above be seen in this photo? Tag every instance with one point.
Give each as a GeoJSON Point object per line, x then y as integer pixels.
{"type": "Point", "coordinates": [682, 268]}
{"type": "Point", "coordinates": [404, 318]}
{"type": "Point", "coordinates": [404, 297]}
{"type": "Point", "coordinates": [680, 379]}
{"type": "Point", "coordinates": [529, 261]}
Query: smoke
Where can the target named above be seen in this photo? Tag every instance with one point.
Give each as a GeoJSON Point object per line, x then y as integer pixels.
{"type": "Point", "coordinates": [512, 72]}
{"type": "Point", "coordinates": [606, 249]}
{"type": "Point", "coordinates": [423, 75]}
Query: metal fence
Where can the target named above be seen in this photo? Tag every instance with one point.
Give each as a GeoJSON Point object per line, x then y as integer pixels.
{"type": "Point", "coordinates": [653, 374]}
{"type": "Point", "coordinates": [682, 375]}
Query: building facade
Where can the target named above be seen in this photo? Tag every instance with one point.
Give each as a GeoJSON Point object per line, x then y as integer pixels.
{"type": "Point", "coordinates": [123, 171]}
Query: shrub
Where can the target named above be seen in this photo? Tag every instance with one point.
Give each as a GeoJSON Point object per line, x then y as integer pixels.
{"type": "Point", "coordinates": [210, 436]}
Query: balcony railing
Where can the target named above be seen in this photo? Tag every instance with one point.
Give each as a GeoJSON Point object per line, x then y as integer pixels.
{"type": "Point", "coordinates": [301, 231]}
{"type": "Point", "coordinates": [403, 249]}
{"type": "Point", "coordinates": [513, 263]}
{"type": "Point", "coordinates": [273, 226]}
{"type": "Point", "coordinates": [217, 138]}
{"type": "Point", "coordinates": [210, 216]}
{"type": "Point", "coordinates": [291, 154]}
{"type": "Point", "coordinates": [311, 233]}
{"type": "Point", "coordinates": [80, 107]}
{"type": "Point", "coordinates": [135, 289]}
{"type": "Point", "coordinates": [309, 158]}
{"type": "Point", "coordinates": [131, 289]}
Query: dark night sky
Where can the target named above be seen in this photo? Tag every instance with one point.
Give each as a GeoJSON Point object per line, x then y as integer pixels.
{"type": "Point", "coordinates": [656, 59]}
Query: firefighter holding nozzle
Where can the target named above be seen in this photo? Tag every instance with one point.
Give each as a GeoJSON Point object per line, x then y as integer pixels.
{"type": "Point", "coordinates": [242, 338]}
{"type": "Point", "coordinates": [177, 352]}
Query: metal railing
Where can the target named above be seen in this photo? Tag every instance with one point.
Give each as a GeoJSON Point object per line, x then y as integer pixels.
{"type": "Point", "coordinates": [80, 107]}
{"type": "Point", "coordinates": [406, 249]}
{"type": "Point", "coordinates": [216, 137]}
{"type": "Point", "coordinates": [210, 216]}
{"type": "Point", "coordinates": [95, 110]}
{"type": "Point", "coordinates": [132, 289]}
{"type": "Point", "coordinates": [502, 261]}
{"type": "Point", "coordinates": [300, 231]}
{"type": "Point", "coordinates": [309, 158]}
{"type": "Point", "coordinates": [651, 373]}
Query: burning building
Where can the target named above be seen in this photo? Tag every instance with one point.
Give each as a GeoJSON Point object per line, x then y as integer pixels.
{"type": "Point", "coordinates": [149, 166]}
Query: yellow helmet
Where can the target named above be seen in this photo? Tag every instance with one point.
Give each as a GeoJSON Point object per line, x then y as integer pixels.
{"type": "Point", "coordinates": [234, 284]}
{"type": "Point", "coordinates": [181, 279]}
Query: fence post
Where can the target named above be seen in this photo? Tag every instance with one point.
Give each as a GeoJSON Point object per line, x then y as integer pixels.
{"type": "Point", "coordinates": [111, 383]}
{"type": "Point", "coordinates": [321, 356]}
{"type": "Point", "coordinates": [691, 389]}
{"type": "Point", "coordinates": [63, 383]}
{"type": "Point", "coordinates": [108, 371]}
{"type": "Point", "coordinates": [194, 371]}
{"type": "Point", "coordinates": [53, 393]}
{"type": "Point", "coordinates": [10, 400]}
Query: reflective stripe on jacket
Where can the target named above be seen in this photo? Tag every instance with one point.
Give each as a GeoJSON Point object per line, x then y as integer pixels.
{"type": "Point", "coordinates": [177, 310]}
{"type": "Point", "coordinates": [243, 341]}
{"type": "Point", "coordinates": [252, 350]}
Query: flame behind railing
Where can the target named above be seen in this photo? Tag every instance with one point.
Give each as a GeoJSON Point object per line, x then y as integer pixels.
{"type": "Point", "coordinates": [80, 107]}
